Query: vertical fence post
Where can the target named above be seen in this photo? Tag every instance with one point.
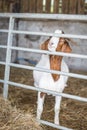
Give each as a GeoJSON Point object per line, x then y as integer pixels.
{"type": "Point", "coordinates": [8, 57]}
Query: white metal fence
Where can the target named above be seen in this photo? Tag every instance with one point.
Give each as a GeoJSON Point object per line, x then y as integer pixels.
{"type": "Point", "coordinates": [6, 82]}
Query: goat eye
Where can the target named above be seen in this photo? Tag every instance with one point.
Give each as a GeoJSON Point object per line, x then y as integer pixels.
{"type": "Point", "coordinates": [52, 43]}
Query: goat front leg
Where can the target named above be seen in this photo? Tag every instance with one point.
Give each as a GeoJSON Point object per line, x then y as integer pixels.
{"type": "Point", "coordinates": [40, 103]}
{"type": "Point", "coordinates": [57, 109]}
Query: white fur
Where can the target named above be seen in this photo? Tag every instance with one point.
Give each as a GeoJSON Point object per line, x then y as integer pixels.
{"type": "Point", "coordinates": [45, 80]}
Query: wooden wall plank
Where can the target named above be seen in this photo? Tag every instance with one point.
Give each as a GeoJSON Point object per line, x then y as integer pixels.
{"type": "Point", "coordinates": [56, 6]}
{"type": "Point", "coordinates": [80, 8]}
{"type": "Point", "coordinates": [36, 6]}
{"type": "Point", "coordinates": [85, 8]}
{"type": "Point", "coordinates": [1, 5]}
{"type": "Point", "coordinates": [39, 6]}
{"type": "Point", "coordinates": [48, 6]}
{"type": "Point", "coordinates": [65, 6]}
{"type": "Point", "coordinates": [24, 6]}
{"type": "Point", "coordinates": [32, 6]}
{"type": "Point", "coordinates": [72, 6]}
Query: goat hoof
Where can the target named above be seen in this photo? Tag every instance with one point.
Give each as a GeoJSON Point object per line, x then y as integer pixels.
{"type": "Point", "coordinates": [37, 119]}
{"type": "Point", "coordinates": [56, 123]}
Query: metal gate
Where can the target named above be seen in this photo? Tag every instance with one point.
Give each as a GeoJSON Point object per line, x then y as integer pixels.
{"type": "Point", "coordinates": [10, 31]}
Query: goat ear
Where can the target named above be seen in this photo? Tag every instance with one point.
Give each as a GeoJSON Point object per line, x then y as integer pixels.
{"type": "Point", "coordinates": [44, 46]}
{"type": "Point", "coordinates": [66, 47]}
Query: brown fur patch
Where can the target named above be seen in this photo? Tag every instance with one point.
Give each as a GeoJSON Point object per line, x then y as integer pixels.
{"type": "Point", "coordinates": [55, 64]}
{"type": "Point", "coordinates": [63, 46]}
{"type": "Point", "coordinates": [44, 46]}
{"type": "Point", "coordinates": [42, 94]}
{"type": "Point", "coordinates": [55, 61]}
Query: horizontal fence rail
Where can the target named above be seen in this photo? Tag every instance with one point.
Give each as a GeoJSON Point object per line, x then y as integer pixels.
{"type": "Point", "coordinates": [45, 16]}
{"type": "Point", "coordinates": [2, 63]}
{"type": "Point", "coordinates": [1, 81]}
{"type": "Point", "coordinates": [45, 34]}
{"type": "Point", "coordinates": [3, 46]}
{"type": "Point", "coordinates": [47, 52]}
{"type": "Point", "coordinates": [53, 125]}
{"type": "Point", "coordinates": [48, 71]}
{"type": "Point", "coordinates": [48, 91]}
{"type": "Point", "coordinates": [9, 49]}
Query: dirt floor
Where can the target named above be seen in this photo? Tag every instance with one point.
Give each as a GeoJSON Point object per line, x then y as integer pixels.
{"type": "Point", "coordinates": [73, 114]}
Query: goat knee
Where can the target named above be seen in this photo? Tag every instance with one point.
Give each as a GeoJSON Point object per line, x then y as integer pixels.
{"type": "Point", "coordinates": [40, 105]}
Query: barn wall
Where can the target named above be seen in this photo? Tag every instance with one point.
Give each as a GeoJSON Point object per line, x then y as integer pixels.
{"type": "Point", "coordinates": [69, 27]}
{"type": "Point", "coordinates": [50, 26]}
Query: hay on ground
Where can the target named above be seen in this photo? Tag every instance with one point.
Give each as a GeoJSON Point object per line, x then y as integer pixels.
{"type": "Point", "coordinates": [13, 119]}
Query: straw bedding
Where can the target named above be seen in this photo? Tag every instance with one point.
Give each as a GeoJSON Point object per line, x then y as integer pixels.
{"type": "Point", "coordinates": [19, 112]}
{"type": "Point", "coordinates": [13, 119]}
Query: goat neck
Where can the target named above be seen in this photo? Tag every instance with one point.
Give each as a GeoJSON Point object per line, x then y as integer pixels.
{"type": "Point", "coordinates": [55, 64]}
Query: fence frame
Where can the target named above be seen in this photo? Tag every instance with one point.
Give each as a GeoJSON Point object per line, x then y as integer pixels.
{"type": "Point", "coordinates": [9, 48]}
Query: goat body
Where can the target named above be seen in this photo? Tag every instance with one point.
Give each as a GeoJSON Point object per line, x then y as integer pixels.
{"type": "Point", "coordinates": [45, 80]}
{"type": "Point", "coordinates": [50, 81]}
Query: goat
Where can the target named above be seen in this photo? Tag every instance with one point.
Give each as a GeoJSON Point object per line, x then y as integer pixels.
{"type": "Point", "coordinates": [54, 82]}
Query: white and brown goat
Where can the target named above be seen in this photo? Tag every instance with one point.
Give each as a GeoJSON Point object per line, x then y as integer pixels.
{"type": "Point", "coordinates": [50, 81]}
